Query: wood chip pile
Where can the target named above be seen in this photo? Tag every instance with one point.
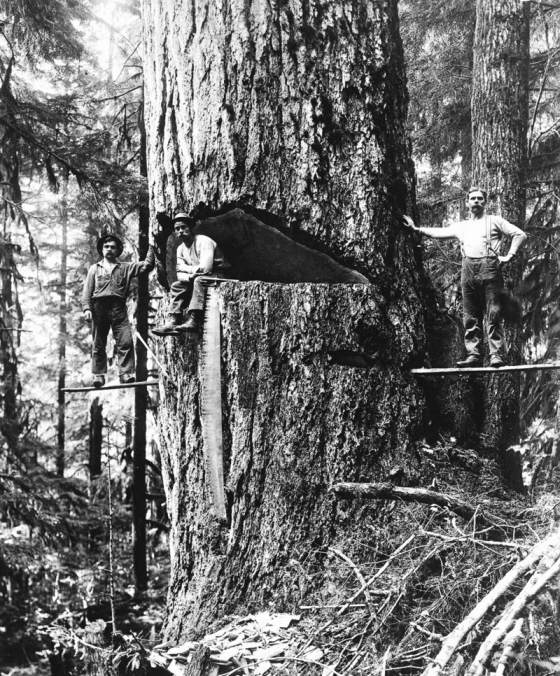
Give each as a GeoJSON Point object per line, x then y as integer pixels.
{"type": "Point", "coordinates": [253, 645]}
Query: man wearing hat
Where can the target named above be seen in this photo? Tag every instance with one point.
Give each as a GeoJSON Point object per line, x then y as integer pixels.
{"type": "Point", "coordinates": [104, 304]}
{"type": "Point", "coordinates": [197, 256]}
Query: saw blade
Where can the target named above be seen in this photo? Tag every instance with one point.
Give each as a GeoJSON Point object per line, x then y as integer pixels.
{"type": "Point", "coordinates": [211, 401]}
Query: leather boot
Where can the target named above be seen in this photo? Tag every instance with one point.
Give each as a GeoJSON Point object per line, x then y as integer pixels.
{"type": "Point", "coordinates": [496, 361]}
{"type": "Point", "coordinates": [193, 323]}
{"type": "Point", "coordinates": [169, 328]}
{"type": "Point", "coordinates": [470, 362]}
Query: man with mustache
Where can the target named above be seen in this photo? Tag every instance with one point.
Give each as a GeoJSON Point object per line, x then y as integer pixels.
{"type": "Point", "coordinates": [481, 277]}
{"type": "Point", "coordinates": [104, 305]}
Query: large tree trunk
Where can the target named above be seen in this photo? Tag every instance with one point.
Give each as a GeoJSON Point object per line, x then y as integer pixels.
{"type": "Point", "coordinates": [95, 462]}
{"type": "Point", "coordinates": [499, 129]}
{"type": "Point", "coordinates": [296, 421]}
{"type": "Point", "coordinates": [10, 213]}
{"type": "Point", "coordinates": [295, 115]}
{"type": "Point", "coordinates": [298, 113]}
{"type": "Point", "coordinates": [62, 328]}
{"type": "Point", "coordinates": [141, 393]}
{"type": "Point", "coordinates": [95, 439]}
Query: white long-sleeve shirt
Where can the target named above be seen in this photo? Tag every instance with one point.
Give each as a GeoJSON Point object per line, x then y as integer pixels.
{"type": "Point", "coordinates": [473, 235]}
{"type": "Point", "coordinates": [202, 256]}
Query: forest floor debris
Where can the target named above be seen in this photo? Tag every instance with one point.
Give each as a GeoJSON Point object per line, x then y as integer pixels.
{"type": "Point", "coordinates": [435, 575]}
{"type": "Point", "coordinates": [248, 645]}
{"type": "Point", "coordinates": [434, 592]}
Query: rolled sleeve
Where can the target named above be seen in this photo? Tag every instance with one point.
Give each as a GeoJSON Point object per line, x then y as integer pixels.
{"type": "Point", "coordinates": [517, 235]}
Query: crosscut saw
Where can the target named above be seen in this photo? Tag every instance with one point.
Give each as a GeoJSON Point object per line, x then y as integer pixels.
{"type": "Point", "coordinates": [211, 400]}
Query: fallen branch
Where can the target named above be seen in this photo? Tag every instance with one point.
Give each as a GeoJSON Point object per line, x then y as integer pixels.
{"type": "Point", "coordinates": [359, 656]}
{"type": "Point", "coordinates": [539, 579]}
{"type": "Point", "coordinates": [475, 541]}
{"type": "Point", "coordinates": [386, 491]}
{"type": "Point", "coordinates": [452, 641]}
{"type": "Point", "coordinates": [409, 573]}
{"type": "Point", "coordinates": [285, 659]}
{"type": "Point", "coordinates": [427, 632]}
{"type": "Point", "coordinates": [509, 644]}
{"type": "Point", "coordinates": [360, 591]}
{"type": "Point", "coordinates": [356, 570]}
{"type": "Point", "coordinates": [551, 667]}
{"type": "Point", "coordinates": [332, 605]}
{"type": "Point", "coordinates": [378, 574]}
{"type": "Point", "coordinates": [385, 660]}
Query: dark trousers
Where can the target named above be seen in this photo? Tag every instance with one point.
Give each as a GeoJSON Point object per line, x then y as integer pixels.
{"type": "Point", "coordinates": [190, 294]}
{"type": "Point", "coordinates": [482, 282]}
{"type": "Point", "coordinates": [110, 313]}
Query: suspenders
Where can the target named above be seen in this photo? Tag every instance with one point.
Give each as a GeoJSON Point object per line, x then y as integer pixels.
{"type": "Point", "coordinates": [489, 250]}
{"type": "Point", "coordinates": [488, 239]}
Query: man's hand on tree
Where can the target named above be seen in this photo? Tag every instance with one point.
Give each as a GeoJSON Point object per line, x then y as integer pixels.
{"type": "Point", "coordinates": [409, 223]}
{"type": "Point", "coordinates": [505, 259]}
{"type": "Point", "coordinates": [87, 315]}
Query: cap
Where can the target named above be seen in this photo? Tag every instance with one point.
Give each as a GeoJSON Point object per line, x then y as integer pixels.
{"type": "Point", "coordinates": [182, 216]}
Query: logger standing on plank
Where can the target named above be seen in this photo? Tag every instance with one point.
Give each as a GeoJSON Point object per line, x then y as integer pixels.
{"type": "Point", "coordinates": [197, 256]}
{"type": "Point", "coordinates": [481, 276]}
{"type": "Point", "coordinates": [104, 303]}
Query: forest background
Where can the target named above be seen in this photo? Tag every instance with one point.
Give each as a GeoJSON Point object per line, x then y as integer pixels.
{"type": "Point", "coordinates": [76, 543]}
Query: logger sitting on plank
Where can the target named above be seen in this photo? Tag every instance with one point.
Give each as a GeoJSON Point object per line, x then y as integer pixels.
{"type": "Point", "coordinates": [481, 276]}
{"type": "Point", "coordinates": [197, 256]}
{"type": "Point", "coordinates": [104, 305]}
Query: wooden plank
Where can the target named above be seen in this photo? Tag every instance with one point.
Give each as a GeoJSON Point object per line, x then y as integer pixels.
{"type": "Point", "coordinates": [487, 369]}
{"type": "Point", "coordinates": [118, 386]}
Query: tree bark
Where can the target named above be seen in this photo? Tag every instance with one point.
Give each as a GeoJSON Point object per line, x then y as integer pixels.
{"type": "Point", "coordinates": [10, 310]}
{"type": "Point", "coordinates": [499, 129]}
{"type": "Point", "coordinates": [141, 393]}
{"type": "Point", "coordinates": [95, 439]}
{"type": "Point", "coordinates": [62, 327]}
{"type": "Point", "coordinates": [294, 114]}
{"type": "Point", "coordinates": [295, 422]}
{"type": "Point", "coordinates": [95, 462]}
{"type": "Point", "coordinates": [296, 111]}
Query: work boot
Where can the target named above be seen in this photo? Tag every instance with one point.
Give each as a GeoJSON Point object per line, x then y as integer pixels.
{"type": "Point", "coordinates": [471, 361]}
{"type": "Point", "coordinates": [496, 361]}
{"type": "Point", "coordinates": [192, 325]}
{"type": "Point", "coordinates": [98, 381]}
{"type": "Point", "coordinates": [169, 328]}
{"type": "Point", "coordinates": [127, 378]}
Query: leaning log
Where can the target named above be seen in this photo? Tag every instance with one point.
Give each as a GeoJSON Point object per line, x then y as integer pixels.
{"type": "Point", "coordinates": [386, 491]}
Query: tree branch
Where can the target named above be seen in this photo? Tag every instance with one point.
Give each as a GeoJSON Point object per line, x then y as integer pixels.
{"type": "Point", "coordinates": [452, 641]}
{"type": "Point", "coordinates": [356, 570]}
{"type": "Point", "coordinates": [514, 636]}
{"type": "Point", "coordinates": [537, 582]}
{"type": "Point", "coordinates": [386, 491]}
{"type": "Point", "coordinates": [35, 142]}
